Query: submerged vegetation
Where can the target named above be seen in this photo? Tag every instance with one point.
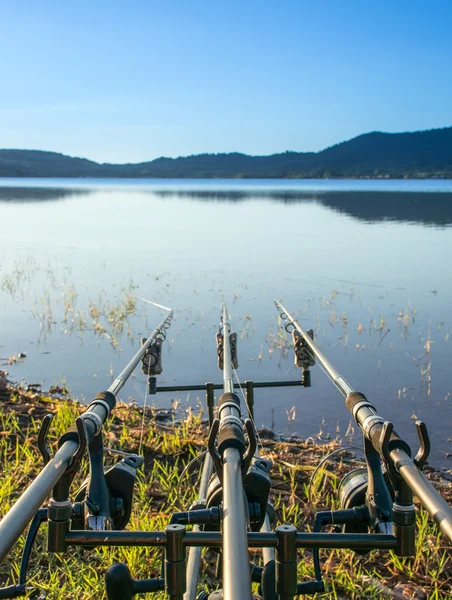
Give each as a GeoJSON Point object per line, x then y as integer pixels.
{"type": "Point", "coordinates": [402, 342]}
{"type": "Point", "coordinates": [59, 305]}
{"type": "Point", "coordinates": [165, 486]}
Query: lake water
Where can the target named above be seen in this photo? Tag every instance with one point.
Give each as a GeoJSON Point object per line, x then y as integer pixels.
{"type": "Point", "coordinates": [366, 264]}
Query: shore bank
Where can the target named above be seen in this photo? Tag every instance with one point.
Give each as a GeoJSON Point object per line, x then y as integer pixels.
{"type": "Point", "coordinates": [164, 486]}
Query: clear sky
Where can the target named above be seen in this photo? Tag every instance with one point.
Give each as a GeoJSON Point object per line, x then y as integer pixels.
{"type": "Point", "coordinates": [130, 81]}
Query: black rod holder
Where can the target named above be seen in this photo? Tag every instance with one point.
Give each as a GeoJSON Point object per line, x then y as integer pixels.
{"type": "Point", "coordinates": [214, 539]}
{"type": "Point", "coordinates": [210, 401]}
{"type": "Point", "coordinates": [175, 564]}
{"type": "Point", "coordinates": [286, 562]}
{"type": "Point", "coordinates": [217, 386]}
{"type": "Point", "coordinates": [250, 397]}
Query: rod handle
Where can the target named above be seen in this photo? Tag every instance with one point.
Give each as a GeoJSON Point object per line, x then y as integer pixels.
{"type": "Point", "coordinates": [372, 425]}
{"type": "Point", "coordinates": [93, 418]}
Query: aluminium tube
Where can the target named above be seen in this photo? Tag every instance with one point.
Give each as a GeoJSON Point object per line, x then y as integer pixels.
{"type": "Point", "coordinates": [268, 554]}
{"type": "Point", "coordinates": [194, 554]}
{"type": "Point", "coordinates": [19, 516]}
{"type": "Point", "coordinates": [236, 572]}
{"type": "Point", "coordinates": [431, 500]}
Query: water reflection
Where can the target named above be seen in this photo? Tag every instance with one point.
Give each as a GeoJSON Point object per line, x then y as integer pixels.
{"type": "Point", "coordinates": [410, 207]}
{"type": "Point", "coordinates": [378, 297]}
{"type": "Point", "coordinates": [427, 208]}
{"type": "Point", "coordinates": [39, 194]}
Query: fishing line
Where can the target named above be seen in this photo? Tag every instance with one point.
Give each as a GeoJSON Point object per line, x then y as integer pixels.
{"type": "Point", "coordinates": [193, 460]}
{"type": "Point", "coordinates": [162, 333]}
{"type": "Point", "coordinates": [119, 452]}
{"type": "Point", "coordinates": [339, 450]}
{"type": "Point", "coordinates": [142, 420]}
{"type": "Point", "coordinates": [185, 470]}
{"type": "Point", "coordinates": [153, 303]}
{"type": "Point", "coordinates": [323, 461]}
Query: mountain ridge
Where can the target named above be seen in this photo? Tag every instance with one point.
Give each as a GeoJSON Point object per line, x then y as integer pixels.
{"type": "Point", "coordinates": [421, 154]}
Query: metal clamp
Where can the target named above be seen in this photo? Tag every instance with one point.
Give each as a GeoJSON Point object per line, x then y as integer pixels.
{"type": "Point", "coordinates": [359, 405]}
{"type": "Point", "coordinates": [104, 404]}
{"type": "Point", "coordinates": [96, 419]}
{"type": "Point", "coordinates": [228, 405]}
{"type": "Point", "coordinates": [369, 422]}
{"type": "Point", "coordinates": [231, 420]}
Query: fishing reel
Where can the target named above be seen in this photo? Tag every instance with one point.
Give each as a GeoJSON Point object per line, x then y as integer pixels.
{"type": "Point", "coordinates": [104, 501]}
{"type": "Point", "coordinates": [362, 490]}
{"type": "Point", "coordinates": [256, 485]}
{"type": "Point", "coordinates": [352, 491]}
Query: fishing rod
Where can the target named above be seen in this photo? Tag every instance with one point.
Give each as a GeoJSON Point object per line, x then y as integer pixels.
{"type": "Point", "coordinates": [235, 484]}
{"type": "Point", "coordinates": [231, 447]}
{"type": "Point", "coordinates": [194, 554]}
{"type": "Point", "coordinates": [59, 471]}
{"type": "Point", "coordinates": [381, 441]}
{"type": "Point", "coordinates": [233, 510]}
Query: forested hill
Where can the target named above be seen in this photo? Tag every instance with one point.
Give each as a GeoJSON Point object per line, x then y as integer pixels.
{"type": "Point", "coordinates": [419, 154]}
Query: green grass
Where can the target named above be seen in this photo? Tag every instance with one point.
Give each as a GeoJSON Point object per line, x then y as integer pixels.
{"type": "Point", "coordinates": [161, 490]}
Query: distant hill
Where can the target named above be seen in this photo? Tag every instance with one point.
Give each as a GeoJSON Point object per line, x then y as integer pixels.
{"type": "Point", "coordinates": [420, 154]}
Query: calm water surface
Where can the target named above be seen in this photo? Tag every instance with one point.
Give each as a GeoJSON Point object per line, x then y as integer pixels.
{"type": "Point", "coordinates": [366, 264]}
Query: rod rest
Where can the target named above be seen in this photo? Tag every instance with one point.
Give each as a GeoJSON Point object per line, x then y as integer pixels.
{"type": "Point", "coordinates": [93, 418]}
{"type": "Point", "coordinates": [231, 430]}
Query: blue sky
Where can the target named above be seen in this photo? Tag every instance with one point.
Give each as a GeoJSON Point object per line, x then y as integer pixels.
{"type": "Point", "coordinates": [126, 82]}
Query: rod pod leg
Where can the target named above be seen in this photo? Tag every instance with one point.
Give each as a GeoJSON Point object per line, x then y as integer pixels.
{"type": "Point", "coordinates": [286, 562]}
{"type": "Point", "coordinates": [175, 563]}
